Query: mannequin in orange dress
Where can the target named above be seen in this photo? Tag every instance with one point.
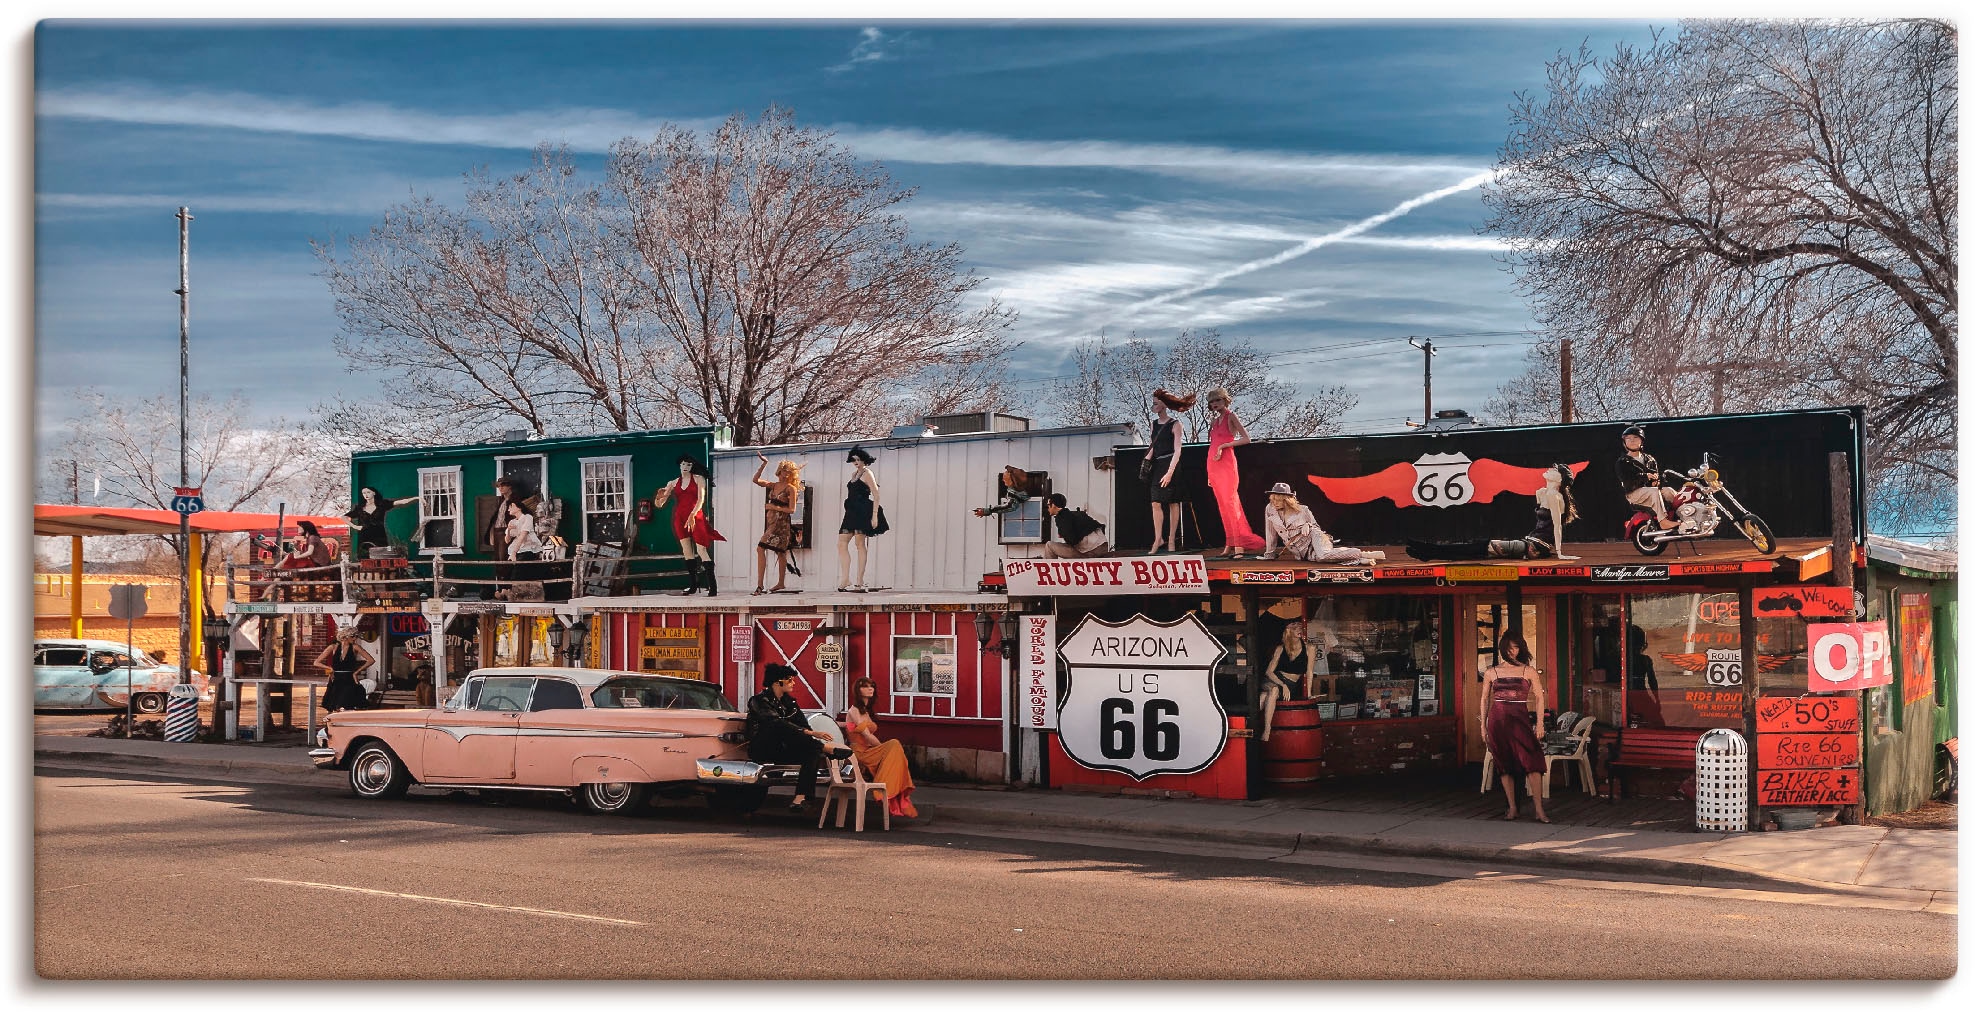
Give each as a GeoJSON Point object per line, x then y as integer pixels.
{"type": "Point", "coordinates": [884, 761]}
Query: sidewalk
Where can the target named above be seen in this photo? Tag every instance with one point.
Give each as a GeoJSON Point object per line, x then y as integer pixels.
{"type": "Point", "coordinates": [1896, 864]}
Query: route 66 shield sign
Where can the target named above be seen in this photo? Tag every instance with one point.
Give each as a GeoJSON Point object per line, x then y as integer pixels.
{"type": "Point", "coordinates": [1442, 480]}
{"type": "Point", "coordinates": [1141, 700]}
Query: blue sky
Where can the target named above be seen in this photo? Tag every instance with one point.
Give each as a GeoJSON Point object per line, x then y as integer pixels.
{"type": "Point", "coordinates": [1125, 178]}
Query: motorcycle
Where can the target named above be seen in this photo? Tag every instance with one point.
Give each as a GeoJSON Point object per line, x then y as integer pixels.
{"type": "Point", "coordinates": [1702, 502]}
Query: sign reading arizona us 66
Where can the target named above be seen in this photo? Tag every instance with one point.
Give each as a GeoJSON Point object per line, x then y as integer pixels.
{"type": "Point", "coordinates": [1141, 700]}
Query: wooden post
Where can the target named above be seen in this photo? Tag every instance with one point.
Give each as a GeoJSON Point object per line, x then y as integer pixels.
{"type": "Point", "coordinates": [1749, 680]}
{"type": "Point", "coordinates": [1842, 573]}
{"type": "Point", "coordinates": [1567, 381]}
{"type": "Point", "coordinates": [1254, 777]}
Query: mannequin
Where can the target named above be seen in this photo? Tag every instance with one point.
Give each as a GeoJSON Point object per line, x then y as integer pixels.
{"type": "Point", "coordinates": [1553, 510]}
{"type": "Point", "coordinates": [1158, 467]}
{"type": "Point", "coordinates": [1226, 435]}
{"type": "Point", "coordinates": [863, 519]}
{"type": "Point", "coordinates": [1290, 528]}
{"type": "Point", "coordinates": [691, 526]}
{"type": "Point", "coordinates": [367, 515]}
{"type": "Point", "coordinates": [780, 499]}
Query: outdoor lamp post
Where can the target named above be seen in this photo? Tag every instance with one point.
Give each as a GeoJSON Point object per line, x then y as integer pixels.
{"type": "Point", "coordinates": [575, 639]}
{"type": "Point", "coordinates": [1007, 629]}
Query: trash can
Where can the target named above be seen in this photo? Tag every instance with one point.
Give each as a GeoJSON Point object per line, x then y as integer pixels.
{"type": "Point", "coordinates": [182, 713]}
{"type": "Point", "coordinates": [1721, 760]}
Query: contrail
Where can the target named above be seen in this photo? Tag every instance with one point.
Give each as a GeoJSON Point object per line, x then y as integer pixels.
{"type": "Point", "coordinates": [1365, 224]}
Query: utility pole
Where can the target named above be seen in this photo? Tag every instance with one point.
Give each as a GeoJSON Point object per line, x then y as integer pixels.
{"type": "Point", "coordinates": [1428, 350]}
{"type": "Point", "coordinates": [185, 519]}
{"type": "Point", "coordinates": [1567, 381]}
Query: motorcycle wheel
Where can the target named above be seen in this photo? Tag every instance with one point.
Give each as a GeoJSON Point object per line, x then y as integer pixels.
{"type": "Point", "coordinates": [1644, 539]}
{"type": "Point", "coordinates": [1757, 531]}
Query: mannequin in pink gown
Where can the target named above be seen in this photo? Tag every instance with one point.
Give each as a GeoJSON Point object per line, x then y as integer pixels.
{"type": "Point", "coordinates": [1226, 435]}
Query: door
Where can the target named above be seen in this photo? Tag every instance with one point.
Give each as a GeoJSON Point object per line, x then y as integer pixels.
{"type": "Point", "coordinates": [477, 743]}
{"type": "Point", "coordinates": [62, 677]}
{"type": "Point", "coordinates": [1490, 619]}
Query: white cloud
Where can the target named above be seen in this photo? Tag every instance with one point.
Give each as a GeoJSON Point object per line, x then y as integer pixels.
{"type": "Point", "coordinates": [871, 48]}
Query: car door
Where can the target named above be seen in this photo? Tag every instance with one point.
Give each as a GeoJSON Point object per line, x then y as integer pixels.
{"type": "Point", "coordinates": [477, 742]}
{"type": "Point", "coordinates": [553, 734]}
{"type": "Point", "coordinates": [61, 677]}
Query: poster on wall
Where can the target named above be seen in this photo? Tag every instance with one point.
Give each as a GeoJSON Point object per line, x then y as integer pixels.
{"type": "Point", "coordinates": [925, 664]}
{"type": "Point", "coordinates": [1915, 640]}
{"type": "Point", "coordinates": [1140, 699]}
{"type": "Point", "coordinates": [1038, 672]}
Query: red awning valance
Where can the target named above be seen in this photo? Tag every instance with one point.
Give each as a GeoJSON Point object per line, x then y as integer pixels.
{"type": "Point", "coordinates": [88, 521]}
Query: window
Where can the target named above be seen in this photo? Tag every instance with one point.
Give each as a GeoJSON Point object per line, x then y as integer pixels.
{"type": "Point", "coordinates": [440, 510]}
{"type": "Point", "coordinates": [925, 665]}
{"type": "Point", "coordinates": [526, 471]}
{"type": "Point", "coordinates": [555, 694]}
{"type": "Point", "coordinates": [1682, 661]}
{"type": "Point", "coordinates": [504, 695]}
{"type": "Point", "coordinates": [1376, 656]}
{"type": "Point", "coordinates": [659, 694]}
{"type": "Point", "coordinates": [606, 494]}
{"type": "Point", "coordinates": [64, 657]}
{"type": "Point", "coordinates": [1024, 524]}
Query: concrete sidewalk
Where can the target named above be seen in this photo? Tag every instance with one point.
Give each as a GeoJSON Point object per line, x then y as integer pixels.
{"type": "Point", "coordinates": [1912, 865]}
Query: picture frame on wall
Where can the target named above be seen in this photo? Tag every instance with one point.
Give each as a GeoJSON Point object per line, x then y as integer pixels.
{"type": "Point", "coordinates": [1426, 708]}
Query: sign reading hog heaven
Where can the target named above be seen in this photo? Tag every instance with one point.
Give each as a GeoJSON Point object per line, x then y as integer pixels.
{"type": "Point", "coordinates": [1141, 700]}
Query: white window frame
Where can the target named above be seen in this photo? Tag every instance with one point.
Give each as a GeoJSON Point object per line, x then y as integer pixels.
{"type": "Point", "coordinates": [1017, 515]}
{"type": "Point", "coordinates": [542, 469]}
{"type": "Point", "coordinates": [460, 521]}
{"type": "Point", "coordinates": [955, 650]}
{"type": "Point", "coordinates": [584, 492]}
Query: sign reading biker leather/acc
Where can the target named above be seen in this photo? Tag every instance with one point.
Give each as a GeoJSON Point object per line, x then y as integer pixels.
{"type": "Point", "coordinates": [1140, 699]}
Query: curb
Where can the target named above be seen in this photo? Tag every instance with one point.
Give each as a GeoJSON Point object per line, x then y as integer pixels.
{"type": "Point", "coordinates": [290, 772]}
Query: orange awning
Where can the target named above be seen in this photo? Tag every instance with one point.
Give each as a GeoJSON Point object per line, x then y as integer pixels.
{"type": "Point", "coordinates": [87, 521]}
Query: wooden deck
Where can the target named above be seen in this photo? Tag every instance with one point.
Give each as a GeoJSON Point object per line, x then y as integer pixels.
{"type": "Point", "coordinates": [1797, 558]}
{"type": "Point", "coordinates": [1455, 796]}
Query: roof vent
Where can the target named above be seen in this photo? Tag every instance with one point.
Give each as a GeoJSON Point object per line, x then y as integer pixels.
{"type": "Point", "coordinates": [977, 421]}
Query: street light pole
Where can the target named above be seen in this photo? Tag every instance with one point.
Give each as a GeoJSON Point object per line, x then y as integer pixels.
{"type": "Point", "coordinates": [1428, 350]}
{"type": "Point", "coordinates": [185, 519]}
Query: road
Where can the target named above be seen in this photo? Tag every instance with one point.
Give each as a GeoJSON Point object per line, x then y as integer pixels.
{"type": "Point", "coordinates": [292, 881]}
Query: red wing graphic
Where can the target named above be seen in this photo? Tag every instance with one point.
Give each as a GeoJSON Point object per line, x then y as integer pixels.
{"type": "Point", "coordinates": [1393, 483]}
{"type": "Point", "coordinates": [1689, 662]}
{"type": "Point", "coordinates": [1774, 662]}
{"type": "Point", "coordinates": [1489, 478]}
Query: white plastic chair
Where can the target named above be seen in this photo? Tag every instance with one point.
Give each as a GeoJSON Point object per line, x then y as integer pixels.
{"type": "Point", "coordinates": [1584, 729]}
{"type": "Point", "coordinates": [849, 785]}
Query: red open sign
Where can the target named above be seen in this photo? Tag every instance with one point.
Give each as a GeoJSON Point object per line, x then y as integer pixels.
{"type": "Point", "coordinates": [1848, 655]}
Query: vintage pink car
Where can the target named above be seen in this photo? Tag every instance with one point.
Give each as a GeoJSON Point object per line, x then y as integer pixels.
{"type": "Point", "coordinates": [612, 738]}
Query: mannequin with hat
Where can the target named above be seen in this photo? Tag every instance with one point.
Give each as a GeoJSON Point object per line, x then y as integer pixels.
{"type": "Point", "coordinates": [1291, 530]}
{"type": "Point", "coordinates": [863, 519]}
{"type": "Point", "coordinates": [1642, 480]}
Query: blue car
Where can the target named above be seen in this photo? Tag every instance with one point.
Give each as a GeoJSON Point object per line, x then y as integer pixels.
{"type": "Point", "coordinates": [93, 675]}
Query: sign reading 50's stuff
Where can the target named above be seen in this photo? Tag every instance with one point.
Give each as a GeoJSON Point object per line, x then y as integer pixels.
{"type": "Point", "coordinates": [1141, 700]}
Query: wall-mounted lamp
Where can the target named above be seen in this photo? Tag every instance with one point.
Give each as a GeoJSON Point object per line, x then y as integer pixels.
{"type": "Point", "coordinates": [1007, 627]}
{"type": "Point", "coordinates": [986, 624]}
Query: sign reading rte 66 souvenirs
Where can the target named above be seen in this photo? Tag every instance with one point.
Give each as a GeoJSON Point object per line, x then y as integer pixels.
{"type": "Point", "coordinates": [1141, 700]}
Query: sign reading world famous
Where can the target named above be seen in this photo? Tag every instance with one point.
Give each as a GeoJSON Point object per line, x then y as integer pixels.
{"type": "Point", "coordinates": [1172, 574]}
{"type": "Point", "coordinates": [1140, 699]}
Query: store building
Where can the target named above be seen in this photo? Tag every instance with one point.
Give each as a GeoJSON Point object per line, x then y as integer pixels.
{"type": "Point", "coordinates": [1915, 591]}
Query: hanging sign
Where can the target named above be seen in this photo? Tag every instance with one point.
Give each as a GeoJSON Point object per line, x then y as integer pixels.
{"type": "Point", "coordinates": [1140, 700]}
{"type": "Point", "coordinates": [831, 659]}
{"type": "Point", "coordinates": [1805, 602]}
{"type": "Point", "coordinates": [742, 643]}
{"type": "Point", "coordinates": [1481, 574]}
{"type": "Point", "coordinates": [1038, 673]}
{"type": "Point", "coordinates": [1808, 787]}
{"type": "Point", "coordinates": [1848, 655]}
{"type": "Point", "coordinates": [188, 501]}
{"type": "Point", "coordinates": [1175, 574]}
{"type": "Point", "coordinates": [1915, 633]}
{"type": "Point", "coordinates": [1636, 573]}
{"type": "Point", "coordinates": [1807, 751]}
{"type": "Point", "coordinates": [1784, 714]}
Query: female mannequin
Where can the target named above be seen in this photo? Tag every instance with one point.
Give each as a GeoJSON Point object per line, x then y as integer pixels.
{"type": "Point", "coordinates": [1510, 702]}
{"type": "Point", "coordinates": [691, 526]}
{"type": "Point", "coordinates": [1290, 527]}
{"type": "Point", "coordinates": [367, 515]}
{"type": "Point", "coordinates": [864, 518]}
{"type": "Point", "coordinates": [1159, 467]}
{"type": "Point", "coordinates": [1226, 435]}
{"type": "Point", "coordinates": [1290, 670]}
{"type": "Point", "coordinates": [1553, 510]}
{"type": "Point", "coordinates": [780, 500]}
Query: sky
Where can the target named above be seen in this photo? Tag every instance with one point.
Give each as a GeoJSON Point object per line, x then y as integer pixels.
{"type": "Point", "coordinates": [1300, 185]}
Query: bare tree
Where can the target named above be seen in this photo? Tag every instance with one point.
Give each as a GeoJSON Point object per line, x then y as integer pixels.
{"type": "Point", "coordinates": [759, 276]}
{"type": "Point", "coordinates": [1112, 383]}
{"type": "Point", "coordinates": [1751, 215]}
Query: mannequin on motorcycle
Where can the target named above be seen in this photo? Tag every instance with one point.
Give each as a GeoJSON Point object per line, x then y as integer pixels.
{"type": "Point", "coordinates": [1642, 479]}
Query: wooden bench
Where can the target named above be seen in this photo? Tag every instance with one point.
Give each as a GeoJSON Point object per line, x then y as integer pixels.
{"type": "Point", "coordinates": [1650, 748]}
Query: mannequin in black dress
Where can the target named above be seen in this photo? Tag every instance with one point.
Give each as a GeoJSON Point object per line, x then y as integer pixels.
{"type": "Point", "coordinates": [342, 660]}
{"type": "Point", "coordinates": [864, 518]}
{"type": "Point", "coordinates": [367, 517]}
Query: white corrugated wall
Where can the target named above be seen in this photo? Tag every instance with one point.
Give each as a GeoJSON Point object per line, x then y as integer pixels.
{"type": "Point", "coordinates": [927, 487]}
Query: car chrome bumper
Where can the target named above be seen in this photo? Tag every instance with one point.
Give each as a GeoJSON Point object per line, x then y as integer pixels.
{"type": "Point", "coordinates": [727, 771]}
{"type": "Point", "coordinates": [324, 758]}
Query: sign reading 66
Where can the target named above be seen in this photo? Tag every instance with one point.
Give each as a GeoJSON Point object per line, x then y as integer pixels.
{"type": "Point", "coordinates": [1140, 700]}
{"type": "Point", "coordinates": [1443, 479]}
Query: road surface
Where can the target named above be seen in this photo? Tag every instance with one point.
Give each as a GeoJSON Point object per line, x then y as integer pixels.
{"type": "Point", "coordinates": [297, 881]}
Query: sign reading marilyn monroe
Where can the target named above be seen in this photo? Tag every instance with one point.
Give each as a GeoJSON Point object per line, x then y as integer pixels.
{"type": "Point", "coordinates": [1174, 574]}
{"type": "Point", "coordinates": [1140, 700]}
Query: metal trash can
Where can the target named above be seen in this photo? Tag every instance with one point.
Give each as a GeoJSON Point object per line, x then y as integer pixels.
{"type": "Point", "coordinates": [1721, 761]}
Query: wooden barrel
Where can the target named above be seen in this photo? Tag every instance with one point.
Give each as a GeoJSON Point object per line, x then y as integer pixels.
{"type": "Point", "coordinates": [1292, 754]}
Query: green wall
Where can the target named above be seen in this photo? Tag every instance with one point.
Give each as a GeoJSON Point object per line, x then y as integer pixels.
{"type": "Point", "coordinates": [1900, 763]}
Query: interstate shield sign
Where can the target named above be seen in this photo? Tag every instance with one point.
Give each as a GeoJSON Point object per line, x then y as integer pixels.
{"type": "Point", "coordinates": [1141, 700]}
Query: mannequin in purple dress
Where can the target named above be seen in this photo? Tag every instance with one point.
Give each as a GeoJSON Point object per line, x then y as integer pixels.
{"type": "Point", "coordinates": [1226, 435]}
{"type": "Point", "coordinates": [1511, 700]}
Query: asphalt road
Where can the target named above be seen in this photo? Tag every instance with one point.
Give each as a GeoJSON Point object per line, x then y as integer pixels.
{"type": "Point", "coordinates": [205, 880]}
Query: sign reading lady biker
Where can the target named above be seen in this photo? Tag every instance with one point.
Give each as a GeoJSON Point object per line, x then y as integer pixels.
{"type": "Point", "coordinates": [1141, 700]}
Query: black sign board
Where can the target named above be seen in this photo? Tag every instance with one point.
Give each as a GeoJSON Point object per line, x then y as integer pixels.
{"type": "Point", "coordinates": [1634, 573]}
{"type": "Point", "coordinates": [1461, 484]}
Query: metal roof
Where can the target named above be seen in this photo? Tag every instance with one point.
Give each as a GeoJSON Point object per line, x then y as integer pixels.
{"type": "Point", "coordinates": [1913, 559]}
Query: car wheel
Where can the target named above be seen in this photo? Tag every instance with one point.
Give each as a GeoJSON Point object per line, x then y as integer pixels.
{"type": "Point", "coordinates": [377, 773]}
{"type": "Point", "coordinates": [614, 798]}
{"type": "Point", "coordinates": [148, 702]}
{"type": "Point", "coordinates": [739, 800]}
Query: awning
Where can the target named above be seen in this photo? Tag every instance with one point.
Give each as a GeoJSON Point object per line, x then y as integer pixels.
{"type": "Point", "coordinates": [88, 521]}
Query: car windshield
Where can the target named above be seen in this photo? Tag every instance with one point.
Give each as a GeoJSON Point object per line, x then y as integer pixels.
{"type": "Point", "coordinates": [659, 694]}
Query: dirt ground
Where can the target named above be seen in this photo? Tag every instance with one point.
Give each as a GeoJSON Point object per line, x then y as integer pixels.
{"type": "Point", "coordinates": [1931, 815]}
